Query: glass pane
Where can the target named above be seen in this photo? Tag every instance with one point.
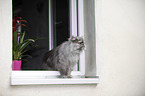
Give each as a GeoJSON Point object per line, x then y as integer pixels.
{"type": "Point", "coordinates": [61, 30]}
{"type": "Point", "coordinates": [36, 13]}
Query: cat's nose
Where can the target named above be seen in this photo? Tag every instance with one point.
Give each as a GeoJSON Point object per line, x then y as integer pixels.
{"type": "Point", "coordinates": [83, 46]}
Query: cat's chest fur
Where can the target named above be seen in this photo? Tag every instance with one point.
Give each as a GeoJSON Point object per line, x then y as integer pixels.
{"type": "Point", "coordinates": [69, 57]}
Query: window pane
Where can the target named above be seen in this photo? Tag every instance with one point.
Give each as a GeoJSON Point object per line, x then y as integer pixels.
{"type": "Point", "coordinates": [61, 30]}
{"type": "Point", "coordinates": [36, 13]}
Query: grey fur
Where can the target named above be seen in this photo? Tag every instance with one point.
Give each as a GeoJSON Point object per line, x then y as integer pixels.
{"type": "Point", "coordinates": [64, 57]}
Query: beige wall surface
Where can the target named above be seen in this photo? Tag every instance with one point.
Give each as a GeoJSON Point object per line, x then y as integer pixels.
{"type": "Point", "coordinates": [120, 32]}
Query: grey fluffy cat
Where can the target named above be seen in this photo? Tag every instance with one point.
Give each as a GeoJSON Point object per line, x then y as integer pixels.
{"type": "Point", "coordinates": [64, 57]}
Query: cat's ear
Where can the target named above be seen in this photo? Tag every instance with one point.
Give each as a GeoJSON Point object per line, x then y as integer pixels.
{"type": "Point", "coordinates": [72, 38]}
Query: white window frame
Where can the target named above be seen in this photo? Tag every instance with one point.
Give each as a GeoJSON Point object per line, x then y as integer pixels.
{"type": "Point", "coordinates": [51, 77]}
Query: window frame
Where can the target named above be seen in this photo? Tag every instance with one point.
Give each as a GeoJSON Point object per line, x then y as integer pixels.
{"type": "Point", "coordinates": [51, 77]}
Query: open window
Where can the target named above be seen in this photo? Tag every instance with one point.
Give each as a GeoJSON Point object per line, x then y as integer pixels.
{"type": "Point", "coordinates": [57, 20]}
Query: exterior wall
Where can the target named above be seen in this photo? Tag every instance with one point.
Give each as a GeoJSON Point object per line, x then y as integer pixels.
{"type": "Point", "coordinates": [120, 46]}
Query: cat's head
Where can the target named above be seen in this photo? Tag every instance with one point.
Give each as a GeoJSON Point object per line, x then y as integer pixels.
{"type": "Point", "coordinates": [78, 42]}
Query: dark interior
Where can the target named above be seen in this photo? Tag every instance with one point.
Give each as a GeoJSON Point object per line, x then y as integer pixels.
{"type": "Point", "coordinates": [36, 13]}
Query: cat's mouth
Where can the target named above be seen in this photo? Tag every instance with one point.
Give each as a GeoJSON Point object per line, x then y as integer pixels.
{"type": "Point", "coordinates": [82, 47]}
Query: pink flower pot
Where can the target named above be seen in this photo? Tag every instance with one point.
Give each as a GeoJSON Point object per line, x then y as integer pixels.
{"type": "Point", "coordinates": [16, 65]}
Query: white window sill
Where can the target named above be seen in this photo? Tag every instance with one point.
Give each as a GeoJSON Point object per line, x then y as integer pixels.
{"type": "Point", "coordinates": [24, 79]}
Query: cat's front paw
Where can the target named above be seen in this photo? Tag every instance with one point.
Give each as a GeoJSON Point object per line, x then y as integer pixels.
{"type": "Point", "coordinates": [69, 76]}
{"type": "Point", "coordinates": [64, 76]}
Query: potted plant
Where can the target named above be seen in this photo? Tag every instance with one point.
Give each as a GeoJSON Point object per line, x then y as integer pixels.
{"type": "Point", "coordinates": [19, 44]}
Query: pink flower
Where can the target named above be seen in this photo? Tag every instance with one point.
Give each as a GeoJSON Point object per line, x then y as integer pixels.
{"type": "Point", "coordinates": [16, 21]}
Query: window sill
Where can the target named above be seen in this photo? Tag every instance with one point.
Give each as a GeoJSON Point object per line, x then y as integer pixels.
{"type": "Point", "coordinates": [35, 80]}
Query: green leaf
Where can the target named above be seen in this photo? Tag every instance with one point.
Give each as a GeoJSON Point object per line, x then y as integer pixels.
{"type": "Point", "coordinates": [23, 45]}
{"type": "Point", "coordinates": [16, 55]}
{"type": "Point", "coordinates": [25, 56]}
{"type": "Point", "coordinates": [22, 37]}
{"type": "Point", "coordinates": [15, 40]}
{"type": "Point", "coordinates": [25, 60]}
{"type": "Point", "coordinates": [24, 51]}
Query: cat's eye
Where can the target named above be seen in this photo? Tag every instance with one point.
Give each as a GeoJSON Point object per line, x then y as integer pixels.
{"type": "Point", "coordinates": [79, 42]}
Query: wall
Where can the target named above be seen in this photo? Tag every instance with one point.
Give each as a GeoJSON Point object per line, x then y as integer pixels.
{"type": "Point", "coordinates": [120, 53]}
{"type": "Point", "coordinates": [121, 47]}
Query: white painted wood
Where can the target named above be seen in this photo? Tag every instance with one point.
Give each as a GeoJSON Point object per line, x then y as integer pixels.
{"type": "Point", "coordinates": [90, 38]}
{"type": "Point", "coordinates": [34, 81]}
{"type": "Point", "coordinates": [45, 77]}
{"type": "Point", "coordinates": [73, 17]}
{"type": "Point", "coordinates": [73, 22]}
{"type": "Point", "coordinates": [95, 12]}
{"type": "Point", "coordinates": [54, 81]}
{"type": "Point", "coordinates": [81, 33]}
{"type": "Point", "coordinates": [43, 74]}
{"type": "Point", "coordinates": [81, 17]}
